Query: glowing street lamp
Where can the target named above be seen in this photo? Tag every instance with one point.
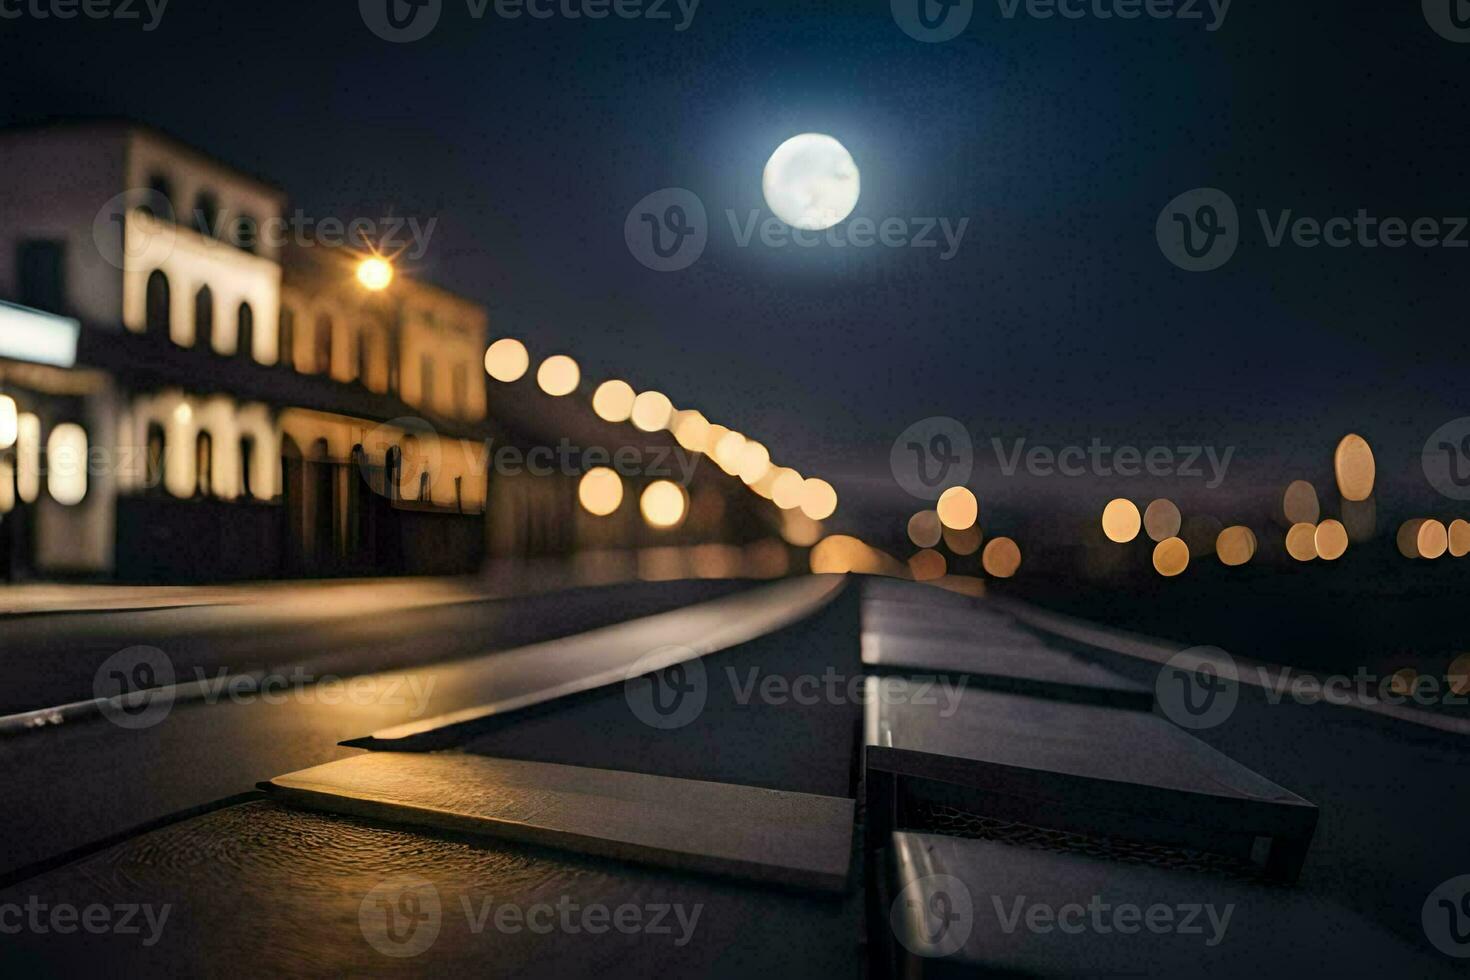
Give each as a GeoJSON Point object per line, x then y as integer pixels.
{"type": "Point", "coordinates": [375, 273]}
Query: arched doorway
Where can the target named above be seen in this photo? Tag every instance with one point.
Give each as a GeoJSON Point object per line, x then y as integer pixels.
{"type": "Point", "coordinates": [204, 319]}
{"type": "Point", "coordinates": [245, 332]}
{"type": "Point", "coordinates": [156, 303]}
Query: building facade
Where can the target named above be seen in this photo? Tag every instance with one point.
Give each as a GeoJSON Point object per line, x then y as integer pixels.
{"type": "Point", "coordinates": [234, 403]}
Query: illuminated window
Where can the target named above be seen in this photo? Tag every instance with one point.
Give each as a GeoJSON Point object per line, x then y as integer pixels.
{"type": "Point", "coordinates": [66, 464]}
{"type": "Point", "coordinates": [246, 233]}
{"type": "Point", "coordinates": [156, 315]}
{"type": "Point", "coordinates": [28, 457]}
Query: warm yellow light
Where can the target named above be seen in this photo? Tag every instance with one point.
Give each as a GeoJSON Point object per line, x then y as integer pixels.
{"type": "Point", "coordinates": [788, 488]}
{"type": "Point", "coordinates": [1355, 468]}
{"type": "Point", "coordinates": [558, 375]}
{"type": "Point", "coordinates": [924, 529]}
{"type": "Point", "coordinates": [1161, 520]}
{"type": "Point", "coordinates": [818, 499]}
{"type": "Point", "coordinates": [927, 565]}
{"type": "Point", "coordinates": [1433, 539]}
{"type": "Point", "coordinates": [8, 422]}
{"type": "Point", "coordinates": [1171, 557]}
{"type": "Point", "coordinates": [965, 542]}
{"type": "Point", "coordinates": [600, 491]}
{"type": "Point", "coordinates": [1121, 521]}
{"type": "Point", "coordinates": [652, 411]}
{"type": "Point", "coordinates": [613, 401]}
{"type": "Point", "coordinates": [507, 360]}
{"type": "Point", "coordinates": [1236, 545]}
{"type": "Point", "coordinates": [958, 509]}
{"type": "Point", "coordinates": [1301, 541]}
{"type": "Point", "coordinates": [799, 530]}
{"type": "Point", "coordinates": [1459, 538]}
{"type": "Point", "coordinates": [691, 429]}
{"type": "Point", "coordinates": [66, 464]}
{"type": "Point", "coordinates": [1407, 538]}
{"type": "Point", "coordinates": [375, 273]}
{"type": "Point", "coordinates": [663, 504]}
{"type": "Point", "coordinates": [28, 457]}
{"type": "Point", "coordinates": [755, 462]}
{"type": "Point", "coordinates": [1330, 540]}
{"type": "Point", "coordinates": [1299, 503]}
{"type": "Point", "coordinates": [7, 486]}
{"type": "Point", "coordinates": [727, 451]}
{"type": "Point", "coordinates": [1001, 558]}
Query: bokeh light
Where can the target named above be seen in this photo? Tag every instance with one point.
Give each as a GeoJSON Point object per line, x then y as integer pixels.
{"type": "Point", "coordinates": [651, 411]}
{"type": "Point", "coordinates": [927, 565]}
{"type": "Point", "coordinates": [1301, 541]}
{"type": "Point", "coordinates": [600, 491]}
{"type": "Point", "coordinates": [965, 542]}
{"type": "Point", "coordinates": [1459, 538]}
{"type": "Point", "coordinates": [818, 499]}
{"type": "Point", "coordinates": [1330, 540]}
{"type": "Point", "coordinates": [1354, 467]}
{"type": "Point", "coordinates": [558, 375]}
{"type": "Point", "coordinates": [958, 509]}
{"type": "Point", "coordinates": [1161, 520]}
{"type": "Point", "coordinates": [507, 360]}
{"type": "Point", "coordinates": [1001, 558]}
{"type": "Point", "coordinates": [663, 504]}
{"type": "Point", "coordinates": [1171, 557]}
{"type": "Point", "coordinates": [1299, 503]}
{"type": "Point", "coordinates": [1121, 521]}
{"type": "Point", "coordinates": [1236, 545]}
{"type": "Point", "coordinates": [788, 488]}
{"type": "Point", "coordinates": [613, 401]}
{"type": "Point", "coordinates": [924, 529]}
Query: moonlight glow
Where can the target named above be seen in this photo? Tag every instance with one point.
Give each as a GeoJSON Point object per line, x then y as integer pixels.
{"type": "Point", "coordinates": [811, 182]}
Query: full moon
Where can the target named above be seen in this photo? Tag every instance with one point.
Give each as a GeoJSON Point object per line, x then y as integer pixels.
{"type": "Point", "coordinates": [811, 182]}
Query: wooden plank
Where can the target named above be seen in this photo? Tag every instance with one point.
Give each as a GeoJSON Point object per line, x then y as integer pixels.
{"type": "Point", "coordinates": [1216, 925]}
{"type": "Point", "coordinates": [1025, 668]}
{"type": "Point", "coordinates": [794, 839]}
{"type": "Point", "coordinates": [1079, 767]}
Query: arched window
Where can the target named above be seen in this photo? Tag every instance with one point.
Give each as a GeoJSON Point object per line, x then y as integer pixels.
{"type": "Point", "coordinates": [204, 318]}
{"type": "Point", "coordinates": [245, 332]}
{"type": "Point", "coordinates": [206, 213]}
{"type": "Point", "coordinates": [245, 233]}
{"type": "Point", "coordinates": [393, 473]}
{"type": "Point", "coordinates": [156, 313]}
{"type": "Point", "coordinates": [324, 344]}
{"type": "Point", "coordinates": [247, 468]}
{"type": "Point", "coordinates": [153, 475]}
{"type": "Point", "coordinates": [286, 339]}
{"type": "Point", "coordinates": [204, 464]}
{"type": "Point", "coordinates": [159, 202]}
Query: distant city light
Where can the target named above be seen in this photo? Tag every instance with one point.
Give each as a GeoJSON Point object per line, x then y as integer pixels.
{"type": "Point", "coordinates": [1330, 540]}
{"type": "Point", "coordinates": [507, 360]}
{"type": "Point", "coordinates": [1001, 558]}
{"type": "Point", "coordinates": [652, 411]}
{"type": "Point", "coordinates": [600, 491]}
{"type": "Point", "coordinates": [1171, 557]}
{"type": "Point", "coordinates": [1301, 541]}
{"type": "Point", "coordinates": [691, 429]}
{"type": "Point", "coordinates": [613, 401]}
{"type": "Point", "coordinates": [1355, 468]}
{"type": "Point", "coordinates": [818, 499]}
{"type": "Point", "coordinates": [927, 565]}
{"type": "Point", "coordinates": [66, 464]}
{"type": "Point", "coordinates": [375, 273]}
{"type": "Point", "coordinates": [754, 464]}
{"type": "Point", "coordinates": [1121, 521]}
{"type": "Point", "coordinates": [1236, 545]}
{"type": "Point", "coordinates": [924, 529]}
{"type": "Point", "coordinates": [663, 504]}
{"type": "Point", "coordinates": [1161, 520]}
{"type": "Point", "coordinates": [787, 489]}
{"type": "Point", "coordinates": [1459, 538]}
{"type": "Point", "coordinates": [958, 509]}
{"type": "Point", "coordinates": [558, 375]}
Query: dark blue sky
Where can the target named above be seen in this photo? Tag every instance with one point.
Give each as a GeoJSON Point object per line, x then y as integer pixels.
{"type": "Point", "coordinates": [1059, 318]}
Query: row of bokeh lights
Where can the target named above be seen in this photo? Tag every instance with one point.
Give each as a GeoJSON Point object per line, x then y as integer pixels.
{"type": "Point", "coordinates": [1308, 536]}
{"type": "Point", "coordinates": [664, 503]}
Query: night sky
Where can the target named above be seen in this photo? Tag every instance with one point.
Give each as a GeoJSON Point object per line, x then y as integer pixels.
{"type": "Point", "coordinates": [1057, 320]}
